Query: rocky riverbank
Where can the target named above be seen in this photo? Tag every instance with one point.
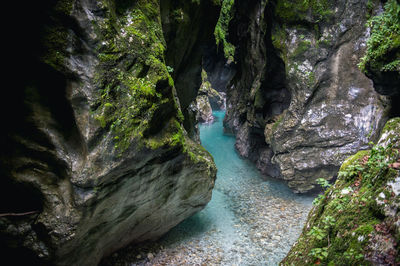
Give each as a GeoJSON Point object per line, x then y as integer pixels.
{"type": "Point", "coordinates": [249, 221]}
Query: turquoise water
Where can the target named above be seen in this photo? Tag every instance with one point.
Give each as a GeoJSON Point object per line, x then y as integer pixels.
{"type": "Point", "coordinates": [249, 221]}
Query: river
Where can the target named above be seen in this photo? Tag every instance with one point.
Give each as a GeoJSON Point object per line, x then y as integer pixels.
{"type": "Point", "coordinates": [249, 221]}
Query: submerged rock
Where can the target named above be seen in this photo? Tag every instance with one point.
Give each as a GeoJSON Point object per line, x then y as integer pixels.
{"type": "Point", "coordinates": [356, 221]}
{"type": "Point", "coordinates": [95, 155]}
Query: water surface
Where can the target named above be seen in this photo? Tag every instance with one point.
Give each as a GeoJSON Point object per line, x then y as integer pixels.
{"type": "Point", "coordinates": [249, 221]}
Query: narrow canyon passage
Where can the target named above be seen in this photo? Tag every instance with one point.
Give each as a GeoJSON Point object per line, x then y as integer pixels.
{"type": "Point", "coordinates": [249, 221]}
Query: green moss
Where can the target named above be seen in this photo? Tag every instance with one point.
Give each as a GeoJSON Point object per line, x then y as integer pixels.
{"type": "Point", "coordinates": [222, 27]}
{"type": "Point", "coordinates": [278, 38]}
{"type": "Point", "coordinates": [172, 136]}
{"type": "Point", "coordinates": [341, 224]}
{"type": "Point", "coordinates": [55, 36]}
{"type": "Point", "coordinates": [383, 46]}
{"type": "Point", "coordinates": [64, 6]}
{"type": "Point", "coordinates": [354, 159]}
{"type": "Point", "coordinates": [259, 99]}
{"type": "Point", "coordinates": [55, 41]}
{"type": "Point", "coordinates": [277, 123]}
{"type": "Point", "coordinates": [133, 79]}
{"type": "Point", "coordinates": [293, 11]}
{"type": "Point", "coordinates": [310, 78]}
{"type": "Point", "coordinates": [324, 42]}
{"type": "Point", "coordinates": [392, 125]}
{"type": "Point", "coordinates": [302, 47]}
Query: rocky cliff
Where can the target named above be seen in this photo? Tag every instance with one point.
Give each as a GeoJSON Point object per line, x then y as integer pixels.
{"type": "Point", "coordinates": [95, 154]}
{"type": "Point", "coordinates": [356, 221]}
{"type": "Point", "coordinates": [299, 105]}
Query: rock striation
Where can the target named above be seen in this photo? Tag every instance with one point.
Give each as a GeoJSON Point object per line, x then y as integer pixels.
{"type": "Point", "coordinates": [95, 154]}
{"type": "Point", "coordinates": [298, 103]}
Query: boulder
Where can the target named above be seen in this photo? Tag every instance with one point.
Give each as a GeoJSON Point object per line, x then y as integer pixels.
{"type": "Point", "coordinates": [356, 221]}
{"type": "Point", "coordinates": [204, 114]}
{"type": "Point", "coordinates": [95, 155]}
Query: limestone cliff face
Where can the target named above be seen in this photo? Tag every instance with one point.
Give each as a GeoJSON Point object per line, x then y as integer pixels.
{"type": "Point", "coordinates": [299, 104]}
{"type": "Point", "coordinates": [95, 154]}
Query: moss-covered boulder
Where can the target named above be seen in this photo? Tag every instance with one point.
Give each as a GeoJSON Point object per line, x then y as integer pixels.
{"type": "Point", "coordinates": [95, 154]}
{"type": "Point", "coordinates": [356, 221]}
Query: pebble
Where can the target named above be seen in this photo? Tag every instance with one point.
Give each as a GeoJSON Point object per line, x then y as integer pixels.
{"type": "Point", "coordinates": [265, 229]}
{"type": "Point", "coordinates": [262, 221]}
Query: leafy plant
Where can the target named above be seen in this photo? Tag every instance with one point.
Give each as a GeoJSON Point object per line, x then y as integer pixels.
{"type": "Point", "coordinates": [319, 253]}
{"type": "Point", "coordinates": [383, 47]}
{"type": "Point", "coordinates": [170, 69]}
{"type": "Point", "coordinates": [323, 183]}
{"type": "Point", "coordinates": [352, 254]}
{"type": "Point", "coordinates": [328, 222]}
{"type": "Point", "coordinates": [351, 171]}
{"type": "Point", "coordinates": [378, 161]}
{"type": "Point", "coordinates": [318, 199]}
{"type": "Point", "coordinates": [317, 232]}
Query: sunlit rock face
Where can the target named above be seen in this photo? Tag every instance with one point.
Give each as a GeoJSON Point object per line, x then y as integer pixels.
{"type": "Point", "coordinates": [299, 105]}
{"type": "Point", "coordinates": [95, 155]}
{"type": "Point", "coordinates": [204, 114]}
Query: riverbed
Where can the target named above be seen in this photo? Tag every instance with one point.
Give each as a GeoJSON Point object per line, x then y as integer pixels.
{"type": "Point", "coordinates": [249, 221]}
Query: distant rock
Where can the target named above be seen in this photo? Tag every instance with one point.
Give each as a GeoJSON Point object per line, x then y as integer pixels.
{"type": "Point", "coordinates": [217, 99]}
{"type": "Point", "coordinates": [204, 114]}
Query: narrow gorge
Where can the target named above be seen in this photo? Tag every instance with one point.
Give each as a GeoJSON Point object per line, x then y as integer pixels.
{"type": "Point", "coordinates": [201, 132]}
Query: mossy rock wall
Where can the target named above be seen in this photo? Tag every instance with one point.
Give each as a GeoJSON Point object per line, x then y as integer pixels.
{"type": "Point", "coordinates": [95, 154]}
{"type": "Point", "coordinates": [355, 222]}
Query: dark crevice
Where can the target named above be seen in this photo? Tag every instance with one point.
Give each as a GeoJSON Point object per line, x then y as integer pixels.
{"type": "Point", "coordinates": [394, 106]}
{"type": "Point", "coordinates": [17, 197]}
{"type": "Point", "coordinates": [18, 255]}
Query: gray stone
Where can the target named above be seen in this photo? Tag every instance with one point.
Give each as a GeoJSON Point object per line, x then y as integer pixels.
{"type": "Point", "coordinates": [204, 114]}
{"type": "Point", "coordinates": [313, 107]}
{"type": "Point", "coordinates": [81, 197]}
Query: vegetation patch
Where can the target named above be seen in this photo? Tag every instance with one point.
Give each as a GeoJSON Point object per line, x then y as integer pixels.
{"type": "Point", "coordinates": [292, 11]}
{"type": "Point", "coordinates": [347, 218]}
{"type": "Point", "coordinates": [383, 46]}
{"type": "Point", "coordinates": [222, 28]}
{"type": "Point", "coordinates": [133, 80]}
{"type": "Point", "coordinates": [55, 36]}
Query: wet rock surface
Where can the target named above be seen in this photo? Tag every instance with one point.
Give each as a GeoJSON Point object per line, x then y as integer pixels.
{"type": "Point", "coordinates": [306, 114]}
{"type": "Point", "coordinates": [249, 221]}
{"type": "Point", "coordinates": [97, 156]}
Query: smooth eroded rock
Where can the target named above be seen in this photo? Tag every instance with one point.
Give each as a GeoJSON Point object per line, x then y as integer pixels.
{"type": "Point", "coordinates": [97, 156]}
